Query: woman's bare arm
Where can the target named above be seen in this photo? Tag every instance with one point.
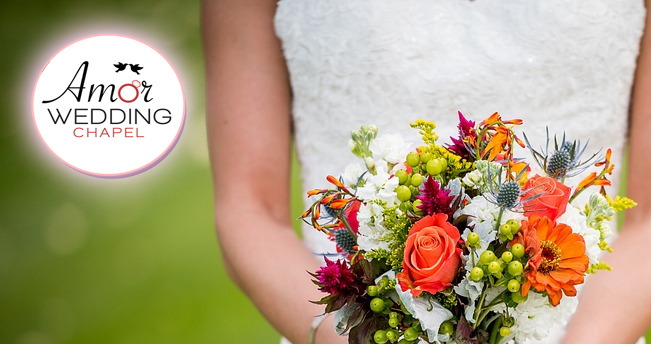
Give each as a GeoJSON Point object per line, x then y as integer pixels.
{"type": "Point", "coordinates": [615, 305]}
{"type": "Point", "coordinates": [249, 128]}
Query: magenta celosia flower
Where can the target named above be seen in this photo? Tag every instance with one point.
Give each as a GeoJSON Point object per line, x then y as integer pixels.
{"type": "Point", "coordinates": [336, 278]}
{"type": "Point", "coordinates": [466, 129]}
{"type": "Point", "coordinates": [435, 199]}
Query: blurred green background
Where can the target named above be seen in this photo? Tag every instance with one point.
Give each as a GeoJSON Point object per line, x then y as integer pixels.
{"type": "Point", "coordinates": [87, 260]}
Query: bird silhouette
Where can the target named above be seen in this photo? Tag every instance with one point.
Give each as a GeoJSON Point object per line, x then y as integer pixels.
{"type": "Point", "coordinates": [135, 68]}
{"type": "Point", "coordinates": [120, 66]}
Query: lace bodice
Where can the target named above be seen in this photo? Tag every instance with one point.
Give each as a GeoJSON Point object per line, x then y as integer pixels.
{"type": "Point", "coordinates": [567, 64]}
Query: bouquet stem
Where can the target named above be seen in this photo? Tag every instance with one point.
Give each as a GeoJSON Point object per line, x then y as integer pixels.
{"type": "Point", "coordinates": [495, 334]}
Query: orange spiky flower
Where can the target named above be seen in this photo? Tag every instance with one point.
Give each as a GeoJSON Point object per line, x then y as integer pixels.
{"type": "Point", "coordinates": [335, 201]}
{"type": "Point", "coordinates": [495, 137]}
{"type": "Point", "coordinates": [600, 179]}
{"type": "Point", "coordinates": [557, 260]}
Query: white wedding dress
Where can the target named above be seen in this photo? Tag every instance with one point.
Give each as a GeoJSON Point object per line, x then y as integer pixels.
{"type": "Point", "coordinates": [566, 64]}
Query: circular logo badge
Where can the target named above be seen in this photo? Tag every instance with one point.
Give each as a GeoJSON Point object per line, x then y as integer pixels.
{"type": "Point", "coordinates": [109, 106]}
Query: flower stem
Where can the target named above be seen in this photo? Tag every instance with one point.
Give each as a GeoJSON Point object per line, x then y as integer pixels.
{"type": "Point", "coordinates": [499, 219]}
{"type": "Point", "coordinates": [494, 336]}
{"type": "Point", "coordinates": [578, 191]}
{"type": "Point", "coordinates": [347, 225]}
{"type": "Point", "coordinates": [478, 309]}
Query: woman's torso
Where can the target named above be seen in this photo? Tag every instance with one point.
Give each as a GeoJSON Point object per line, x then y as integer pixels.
{"type": "Point", "coordinates": [566, 64]}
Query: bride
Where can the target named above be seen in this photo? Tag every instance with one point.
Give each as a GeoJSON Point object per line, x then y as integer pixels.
{"type": "Point", "coordinates": [311, 71]}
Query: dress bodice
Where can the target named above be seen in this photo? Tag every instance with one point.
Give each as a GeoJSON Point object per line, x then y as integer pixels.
{"type": "Point", "coordinates": [566, 64]}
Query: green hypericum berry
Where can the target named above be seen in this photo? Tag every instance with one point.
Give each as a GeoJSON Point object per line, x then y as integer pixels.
{"type": "Point", "coordinates": [505, 331]}
{"type": "Point", "coordinates": [434, 167]}
{"type": "Point", "coordinates": [394, 322]}
{"type": "Point", "coordinates": [505, 229]}
{"type": "Point", "coordinates": [387, 304]}
{"type": "Point", "coordinates": [392, 335]}
{"type": "Point", "coordinates": [444, 163]}
{"type": "Point", "coordinates": [446, 328]}
{"type": "Point", "coordinates": [507, 257]}
{"type": "Point", "coordinates": [473, 238]}
{"type": "Point", "coordinates": [487, 257]}
{"type": "Point", "coordinates": [380, 336]}
{"type": "Point", "coordinates": [377, 305]}
{"type": "Point", "coordinates": [518, 250]}
{"type": "Point", "coordinates": [402, 176]}
{"type": "Point", "coordinates": [513, 286]}
{"type": "Point", "coordinates": [413, 159]}
{"type": "Point", "coordinates": [425, 157]}
{"type": "Point", "coordinates": [393, 315]}
{"type": "Point", "coordinates": [416, 207]}
{"type": "Point", "coordinates": [476, 274]}
{"type": "Point", "coordinates": [383, 283]}
{"type": "Point", "coordinates": [508, 321]}
{"type": "Point", "coordinates": [515, 226]}
{"type": "Point", "coordinates": [517, 297]}
{"type": "Point", "coordinates": [416, 179]}
{"type": "Point", "coordinates": [372, 290]}
{"type": "Point", "coordinates": [494, 267]}
{"type": "Point", "coordinates": [515, 268]}
{"type": "Point", "coordinates": [411, 334]}
{"type": "Point", "coordinates": [403, 193]}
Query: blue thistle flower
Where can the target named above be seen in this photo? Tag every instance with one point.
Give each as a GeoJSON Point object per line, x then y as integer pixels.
{"type": "Point", "coordinates": [565, 160]}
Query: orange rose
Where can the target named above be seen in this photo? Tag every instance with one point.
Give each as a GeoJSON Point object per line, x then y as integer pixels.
{"type": "Point", "coordinates": [553, 200]}
{"type": "Point", "coordinates": [432, 256]}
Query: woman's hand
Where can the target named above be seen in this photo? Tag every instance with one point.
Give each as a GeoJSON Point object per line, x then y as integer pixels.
{"type": "Point", "coordinates": [249, 128]}
{"type": "Point", "coordinates": [615, 305]}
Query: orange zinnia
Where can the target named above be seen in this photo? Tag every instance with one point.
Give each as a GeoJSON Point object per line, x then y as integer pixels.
{"type": "Point", "coordinates": [557, 259]}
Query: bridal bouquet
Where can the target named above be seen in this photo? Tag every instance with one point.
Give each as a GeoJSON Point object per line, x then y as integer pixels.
{"type": "Point", "coordinates": [463, 242]}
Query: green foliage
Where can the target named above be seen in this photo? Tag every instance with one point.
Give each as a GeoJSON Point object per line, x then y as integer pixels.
{"type": "Point", "coordinates": [140, 262]}
{"type": "Point", "coordinates": [398, 226]}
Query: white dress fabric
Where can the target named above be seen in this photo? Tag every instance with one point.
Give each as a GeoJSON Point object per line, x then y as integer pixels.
{"type": "Point", "coordinates": [565, 64]}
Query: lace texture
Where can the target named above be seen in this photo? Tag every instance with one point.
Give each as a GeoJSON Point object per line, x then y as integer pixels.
{"type": "Point", "coordinates": [566, 64]}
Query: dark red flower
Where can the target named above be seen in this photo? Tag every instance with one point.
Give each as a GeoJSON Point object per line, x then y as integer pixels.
{"type": "Point", "coordinates": [336, 278]}
{"type": "Point", "coordinates": [435, 199]}
{"type": "Point", "coordinates": [466, 129]}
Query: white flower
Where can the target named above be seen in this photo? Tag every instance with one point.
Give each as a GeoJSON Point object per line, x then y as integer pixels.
{"type": "Point", "coordinates": [371, 230]}
{"type": "Point", "coordinates": [536, 316]}
{"type": "Point", "coordinates": [429, 312]}
{"type": "Point", "coordinates": [352, 173]}
{"type": "Point", "coordinates": [390, 148]}
{"type": "Point", "coordinates": [380, 186]}
{"type": "Point", "coordinates": [480, 211]}
{"type": "Point", "coordinates": [351, 144]}
{"type": "Point", "coordinates": [473, 179]}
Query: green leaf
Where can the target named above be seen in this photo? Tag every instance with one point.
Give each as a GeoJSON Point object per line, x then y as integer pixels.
{"type": "Point", "coordinates": [363, 333]}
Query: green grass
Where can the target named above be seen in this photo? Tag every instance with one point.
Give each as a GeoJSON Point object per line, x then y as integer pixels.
{"type": "Point", "coordinates": [85, 260]}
